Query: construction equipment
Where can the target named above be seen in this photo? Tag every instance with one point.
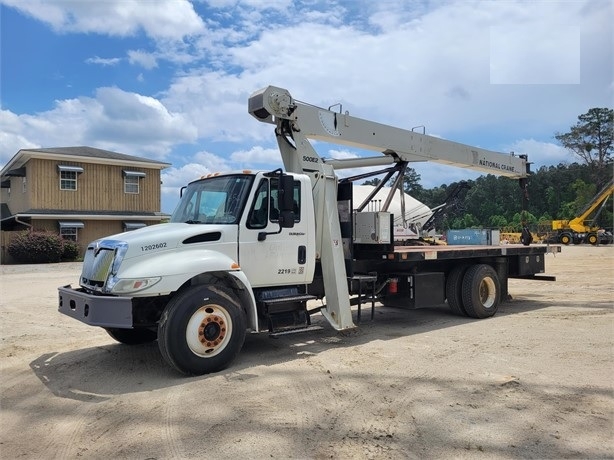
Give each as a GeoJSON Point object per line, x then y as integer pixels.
{"type": "Point", "coordinates": [246, 250]}
{"type": "Point", "coordinates": [583, 228]}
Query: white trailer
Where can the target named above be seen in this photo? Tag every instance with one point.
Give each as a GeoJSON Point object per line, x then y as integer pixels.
{"type": "Point", "coordinates": [245, 251]}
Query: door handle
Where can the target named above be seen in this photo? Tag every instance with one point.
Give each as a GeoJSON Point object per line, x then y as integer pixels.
{"type": "Point", "coordinates": [302, 255]}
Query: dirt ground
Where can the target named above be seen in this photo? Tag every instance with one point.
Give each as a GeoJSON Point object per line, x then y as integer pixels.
{"type": "Point", "coordinates": [535, 381]}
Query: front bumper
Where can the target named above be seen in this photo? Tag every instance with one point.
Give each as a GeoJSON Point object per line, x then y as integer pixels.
{"type": "Point", "coordinates": [103, 311]}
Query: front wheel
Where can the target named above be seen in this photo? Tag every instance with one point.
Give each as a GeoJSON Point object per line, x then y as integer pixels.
{"type": "Point", "coordinates": [565, 238]}
{"type": "Point", "coordinates": [481, 291]}
{"type": "Point", "coordinates": [592, 238]}
{"type": "Point", "coordinates": [201, 330]}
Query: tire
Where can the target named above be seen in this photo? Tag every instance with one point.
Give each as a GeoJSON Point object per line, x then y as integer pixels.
{"type": "Point", "coordinates": [481, 291]}
{"type": "Point", "coordinates": [565, 238]}
{"type": "Point", "coordinates": [454, 290]}
{"type": "Point", "coordinates": [592, 238]}
{"type": "Point", "coordinates": [132, 336]}
{"type": "Point", "coordinates": [201, 330]}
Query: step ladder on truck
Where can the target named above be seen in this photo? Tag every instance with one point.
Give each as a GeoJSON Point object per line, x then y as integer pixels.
{"type": "Point", "coordinates": [246, 251]}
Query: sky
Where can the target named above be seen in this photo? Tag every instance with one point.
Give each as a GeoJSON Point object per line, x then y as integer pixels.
{"type": "Point", "coordinates": [169, 80]}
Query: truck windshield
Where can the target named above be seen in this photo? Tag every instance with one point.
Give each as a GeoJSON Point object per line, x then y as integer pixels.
{"type": "Point", "coordinates": [216, 200]}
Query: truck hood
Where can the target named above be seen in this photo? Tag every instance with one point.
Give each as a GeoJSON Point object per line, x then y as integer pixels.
{"type": "Point", "coordinates": [167, 237]}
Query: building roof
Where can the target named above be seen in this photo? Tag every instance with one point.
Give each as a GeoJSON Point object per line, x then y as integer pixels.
{"type": "Point", "coordinates": [81, 153]}
{"type": "Point", "coordinates": [91, 152]}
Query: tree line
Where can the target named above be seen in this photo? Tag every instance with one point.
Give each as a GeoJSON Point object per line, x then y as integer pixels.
{"type": "Point", "coordinates": [552, 192]}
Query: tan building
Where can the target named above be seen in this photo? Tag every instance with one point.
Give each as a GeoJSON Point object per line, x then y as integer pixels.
{"type": "Point", "coordinates": [81, 193]}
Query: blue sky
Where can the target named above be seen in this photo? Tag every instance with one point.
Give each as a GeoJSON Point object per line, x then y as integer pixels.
{"type": "Point", "coordinates": [169, 79]}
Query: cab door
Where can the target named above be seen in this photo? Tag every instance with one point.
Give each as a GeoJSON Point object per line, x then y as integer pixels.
{"type": "Point", "coordinates": [268, 256]}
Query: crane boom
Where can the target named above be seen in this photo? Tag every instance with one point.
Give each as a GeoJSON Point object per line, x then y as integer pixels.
{"type": "Point", "coordinates": [398, 145]}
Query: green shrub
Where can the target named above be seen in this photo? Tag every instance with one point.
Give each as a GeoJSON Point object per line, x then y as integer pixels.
{"type": "Point", "coordinates": [35, 247]}
{"type": "Point", "coordinates": [70, 251]}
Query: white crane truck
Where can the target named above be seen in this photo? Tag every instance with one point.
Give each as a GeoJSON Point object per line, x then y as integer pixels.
{"type": "Point", "coordinates": [245, 251]}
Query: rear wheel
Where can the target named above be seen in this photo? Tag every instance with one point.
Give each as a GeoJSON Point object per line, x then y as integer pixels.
{"type": "Point", "coordinates": [481, 291]}
{"type": "Point", "coordinates": [592, 238]}
{"type": "Point", "coordinates": [454, 290]}
{"type": "Point", "coordinates": [132, 336]}
{"type": "Point", "coordinates": [201, 330]}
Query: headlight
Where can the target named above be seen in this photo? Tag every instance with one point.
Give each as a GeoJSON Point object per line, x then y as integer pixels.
{"type": "Point", "coordinates": [130, 286]}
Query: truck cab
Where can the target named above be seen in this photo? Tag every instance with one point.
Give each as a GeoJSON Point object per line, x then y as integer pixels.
{"type": "Point", "coordinates": [246, 207]}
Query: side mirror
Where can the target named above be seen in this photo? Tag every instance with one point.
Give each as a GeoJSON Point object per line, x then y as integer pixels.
{"type": "Point", "coordinates": [181, 190]}
{"type": "Point", "coordinates": [286, 201]}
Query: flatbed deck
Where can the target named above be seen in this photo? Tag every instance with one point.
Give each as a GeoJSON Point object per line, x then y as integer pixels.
{"type": "Point", "coordinates": [520, 261]}
{"type": "Point", "coordinates": [402, 253]}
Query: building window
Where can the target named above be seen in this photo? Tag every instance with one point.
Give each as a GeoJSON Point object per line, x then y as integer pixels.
{"type": "Point", "coordinates": [68, 176]}
{"type": "Point", "coordinates": [69, 233]}
{"type": "Point", "coordinates": [69, 230]}
{"type": "Point", "coordinates": [131, 181]}
{"type": "Point", "coordinates": [68, 180]}
{"type": "Point", "coordinates": [131, 184]}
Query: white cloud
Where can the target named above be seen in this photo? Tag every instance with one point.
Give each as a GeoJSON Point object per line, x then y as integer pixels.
{"type": "Point", "coordinates": [539, 53]}
{"type": "Point", "coordinates": [541, 153]}
{"type": "Point", "coordinates": [342, 154]}
{"type": "Point", "coordinates": [143, 58]}
{"type": "Point", "coordinates": [162, 19]}
{"type": "Point", "coordinates": [175, 178]}
{"type": "Point", "coordinates": [12, 137]}
{"type": "Point", "coordinates": [141, 122]}
{"type": "Point", "coordinates": [103, 61]}
{"type": "Point", "coordinates": [216, 103]}
{"type": "Point", "coordinates": [115, 120]}
{"type": "Point", "coordinates": [256, 155]}
{"type": "Point", "coordinates": [200, 164]}
{"type": "Point", "coordinates": [257, 4]}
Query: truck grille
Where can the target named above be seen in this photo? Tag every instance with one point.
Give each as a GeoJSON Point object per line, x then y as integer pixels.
{"type": "Point", "coordinates": [97, 265]}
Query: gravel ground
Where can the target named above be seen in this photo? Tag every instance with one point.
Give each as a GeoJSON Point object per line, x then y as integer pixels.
{"type": "Point", "coordinates": [535, 381]}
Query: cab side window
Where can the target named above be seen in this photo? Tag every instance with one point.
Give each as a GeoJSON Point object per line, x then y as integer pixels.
{"type": "Point", "coordinates": [265, 207]}
{"type": "Point", "coordinates": [258, 216]}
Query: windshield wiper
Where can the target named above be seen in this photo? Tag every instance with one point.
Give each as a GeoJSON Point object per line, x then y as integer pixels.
{"type": "Point", "coordinates": [193, 222]}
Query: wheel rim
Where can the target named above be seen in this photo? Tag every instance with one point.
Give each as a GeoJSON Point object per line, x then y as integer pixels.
{"type": "Point", "coordinates": [488, 292]}
{"type": "Point", "coordinates": [209, 330]}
